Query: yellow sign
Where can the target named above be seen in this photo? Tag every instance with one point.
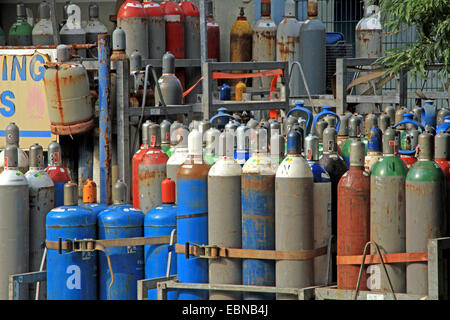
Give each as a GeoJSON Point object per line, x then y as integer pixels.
{"type": "Point", "coordinates": [22, 95]}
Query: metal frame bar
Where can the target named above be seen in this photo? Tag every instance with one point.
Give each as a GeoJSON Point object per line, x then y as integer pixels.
{"type": "Point", "coordinates": [16, 280]}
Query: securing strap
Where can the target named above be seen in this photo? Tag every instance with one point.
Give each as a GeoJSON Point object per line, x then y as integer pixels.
{"type": "Point", "coordinates": [387, 258]}
{"type": "Point", "coordinates": [229, 75]}
{"type": "Point", "coordinates": [213, 252]}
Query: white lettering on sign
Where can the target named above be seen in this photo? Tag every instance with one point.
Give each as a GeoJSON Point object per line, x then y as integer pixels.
{"type": "Point", "coordinates": [374, 281]}
{"type": "Point", "coordinates": [74, 280]}
{"type": "Point", "coordinates": [74, 17]}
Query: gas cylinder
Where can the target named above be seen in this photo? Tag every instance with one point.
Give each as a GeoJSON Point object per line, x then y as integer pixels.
{"type": "Point", "coordinates": [252, 123]}
{"type": "Point", "coordinates": [353, 217]}
{"type": "Point", "coordinates": [12, 137]}
{"type": "Point", "coordinates": [374, 148]}
{"type": "Point", "coordinates": [173, 137]}
{"type": "Point", "coordinates": [240, 89]}
{"type": "Point", "coordinates": [94, 28]}
{"type": "Point", "coordinates": [384, 121]}
{"type": "Point", "coordinates": [20, 33]}
{"type": "Point", "coordinates": [442, 113]}
{"type": "Point", "coordinates": [242, 145]}
{"type": "Point", "coordinates": [335, 165]}
{"type": "Point", "coordinates": [42, 33]}
{"type": "Point", "coordinates": [132, 19]}
{"type": "Point", "coordinates": [224, 218]}
{"type": "Point", "coordinates": [192, 216]}
{"type": "Point", "coordinates": [136, 161]}
{"type": "Point", "coordinates": [156, 29]}
{"type": "Point", "coordinates": [14, 198]}
{"type": "Point", "coordinates": [203, 127]}
{"type": "Point", "coordinates": [72, 32]}
{"type": "Point", "coordinates": [354, 131]}
{"type": "Point", "coordinates": [59, 174]}
{"type": "Point", "coordinates": [165, 135]}
{"type": "Point", "coordinates": [288, 45]}
{"type": "Point", "coordinates": [264, 42]}
{"type": "Point", "coordinates": [175, 33]}
{"type": "Point", "coordinates": [411, 139]}
{"type": "Point", "coordinates": [294, 220]}
{"type": "Point", "coordinates": [401, 128]}
{"type": "Point", "coordinates": [442, 158]}
{"type": "Point", "coordinates": [290, 121]}
{"type": "Point", "coordinates": [68, 96]}
{"type": "Point", "coordinates": [73, 275]}
{"type": "Point", "coordinates": [191, 45]}
{"type": "Point", "coordinates": [312, 51]}
{"type": "Point", "coordinates": [390, 111]}
{"type": "Point", "coordinates": [425, 208]}
{"type": "Point", "coordinates": [277, 148]}
{"type": "Point", "coordinates": [343, 129]}
{"type": "Point", "coordinates": [120, 220]}
{"type": "Point", "coordinates": [160, 221]}
{"type": "Point", "coordinates": [225, 92]}
{"type": "Point", "coordinates": [213, 31]}
{"type": "Point", "coordinates": [211, 137]}
{"type": "Point", "coordinates": [170, 85]}
{"type": "Point", "coordinates": [152, 171]}
{"type": "Point", "coordinates": [387, 213]}
{"type": "Point", "coordinates": [180, 138]}
{"type": "Point", "coordinates": [321, 207]}
{"type": "Point", "coordinates": [241, 39]}
{"type": "Point", "coordinates": [232, 126]}
{"type": "Point", "coordinates": [90, 197]}
{"type": "Point", "coordinates": [41, 196]}
{"type": "Point", "coordinates": [258, 213]}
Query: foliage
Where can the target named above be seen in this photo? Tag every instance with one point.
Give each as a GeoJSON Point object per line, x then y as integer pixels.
{"type": "Point", "coordinates": [431, 18]}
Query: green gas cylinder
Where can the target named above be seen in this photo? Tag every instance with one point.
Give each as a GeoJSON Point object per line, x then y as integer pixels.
{"type": "Point", "coordinates": [20, 32]}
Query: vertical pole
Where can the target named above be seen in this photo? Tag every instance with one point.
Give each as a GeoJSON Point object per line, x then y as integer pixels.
{"type": "Point", "coordinates": [403, 87]}
{"type": "Point", "coordinates": [123, 123]}
{"type": "Point", "coordinates": [341, 99]}
{"type": "Point", "coordinates": [203, 58]}
{"type": "Point", "coordinates": [54, 22]}
{"type": "Point", "coordinates": [105, 136]}
{"type": "Point", "coordinates": [85, 162]}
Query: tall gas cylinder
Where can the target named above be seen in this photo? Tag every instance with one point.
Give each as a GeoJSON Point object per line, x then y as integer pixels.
{"type": "Point", "coordinates": [241, 38]}
{"type": "Point", "coordinates": [343, 129]}
{"type": "Point", "coordinates": [152, 171]}
{"type": "Point", "coordinates": [180, 138]}
{"type": "Point", "coordinates": [354, 131]}
{"type": "Point", "coordinates": [175, 32]}
{"type": "Point", "coordinates": [213, 31]}
{"type": "Point", "coordinates": [288, 44]}
{"type": "Point", "coordinates": [71, 276]}
{"type": "Point", "coordinates": [192, 216]}
{"type": "Point", "coordinates": [170, 85]}
{"type": "Point", "coordinates": [72, 32]}
{"type": "Point", "coordinates": [57, 172]}
{"type": "Point", "coordinates": [173, 137]}
{"type": "Point", "coordinates": [156, 29]}
{"type": "Point", "coordinates": [294, 220]}
{"type": "Point", "coordinates": [41, 196]}
{"type": "Point", "coordinates": [335, 165]}
{"type": "Point", "coordinates": [14, 198]}
{"type": "Point", "coordinates": [387, 213]}
{"type": "Point", "coordinates": [425, 208]}
{"type": "Point", "coordinates": [90, 197]}
{"type": "Point", "coordinates": [277, 148]}
{"type": "Point", "coordinates": [353, 217]}
{"type": "Point", "coordinates": [42, 33]}
{"type": "Point", "coordinates": [242, 144]}
{"type": "Point", "coordinates": [191, 45]}
{"type": "Point", "coordinates": [132, 19]}
{"type": "Point", "coordinates": [120, 220]}
{"type": "Point", "coordinates": [374, 148]}
{"type": "Point", "coordinates": [224, 218]}
{"type": "Point", "coordinates": [136, 161]}
{"type": "Point", "coordinates": [312, 51]}
{"type": "Point", "coordinates": [161, 221]}
{"type": "Point", "coordinates": [20, 33]}
{"type": "Point", "coordinates": [94, 28]}
{"type": "Point", "coordinates": [165, 135]}
{"type": "Point", "coordinates": [442, 158]}
{"type": "Point", "coordinates": [68, 96]}
{"type": "Point", "coordinates": [264, 42]}
{"type": "Point", "coordinates": [384, 121]}
{"type": "Point", "coordinates": [442, 113]}
{"type": "Point", "coordinates": [12, 137]}
{"type": "Point", "coordinates": [211, 153]}
{"type": "Point", "coordinates": [258, 213]}
{"type": "Point", "coordinates": [321, 208]}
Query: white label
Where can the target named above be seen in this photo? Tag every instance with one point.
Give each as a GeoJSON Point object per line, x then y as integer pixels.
{"type": "Point", "coordinates": [155, 111]}
{"type": "Point", "coordinates": [74, 280]}
{"type": "Point", "coordinates": [374, 281]}
{"type": "Point", "coordinates": [133, 5]}
{"type": "Point", "coordinates": [131, 249]}
{"type": "Point", "coordinates": [371, 296]}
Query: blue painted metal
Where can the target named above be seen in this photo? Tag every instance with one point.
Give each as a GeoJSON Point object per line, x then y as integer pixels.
{"type": "Point", "coordinates": [160, 221]}
{"type": "Point", "coordinates": [299, 106]}
{"type": "Point", "coordinates": [225, 92]}
{"type": "Point", "coordinates": [319, 173]}
{"type": "Point", "coordinates": [375, 142]}
{"type": "Point", "coordinates": [71, 276]}
{"type": "Point", "coordinates": [428, 114]}
{"type": "Point", "coordinates": [221, 118]}
{"type": "Point", "coordinates": [121, 221]}
{"type": "Point", "coordinates": [105, 135]}
{"type": "Point", "coordinates": [97, 208]}
{"type": "Point", "coordinates": [326, 110]}
{"type": "Point", "coordinates": [444, 126]}
{"type": "Point", "coordinates": [408, 119]}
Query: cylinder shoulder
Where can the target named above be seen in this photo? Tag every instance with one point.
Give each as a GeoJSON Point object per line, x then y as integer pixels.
{"type": "Point", "coordinates": [428, 171]}
{"type": "Point", "coordinates": [70, 216]}
{"type": "Point", "coordinates": [389, 166]}
{"type": "Point", "coordinates": [193, 169]}
{"type": "Point", "coordinates": [294, 167]}
{"type": "Point", "coordinates": [120, 216]}
{"type": "Point", "coordinates": [162, 215]}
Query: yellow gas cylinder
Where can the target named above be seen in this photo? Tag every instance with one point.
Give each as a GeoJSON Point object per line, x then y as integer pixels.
{"type": "Point", "coordinates": [239, 90]}
{"type": "Point", "coordinates": [241, 42]}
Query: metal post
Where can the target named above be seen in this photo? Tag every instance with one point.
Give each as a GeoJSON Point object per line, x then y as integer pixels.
{"type": "Point", "coordinates": [341, 100]}
{"type": "Point", "coordinates": [403, 87]}
{"type": "Point", "coordinates": [123, 123]}
{"type": "Point", "coordinates": [105, 136]}
{"type": "Point", "coordinates": [54, 22]}
{"type": "Point", "coordinates": [203, 57]}
{"type": "Point", "coordinates": [207, 96]}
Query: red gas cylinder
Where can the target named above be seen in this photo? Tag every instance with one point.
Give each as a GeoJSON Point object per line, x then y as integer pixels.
{"type": "Point", "coordinates": [57, 172]}
{"type": "Point", "coordinates": [409, 160]}
{"type": "Point", "coordinates": [168, 191]}
{"type": "Point", "coordinates": [213, 31]}
{"type": "Point", "coordinates": [156, 29]}
{"type": "Point", "coordinates": [152, 171]}
{"type": "Point", "coordinates": [353, 218]}
{"type": "Point", "coordinates": [136, 161]}
{"type": "Point", "coordinates": [131, 18]}
{"type": "Point", "coordinates": [173, 14]}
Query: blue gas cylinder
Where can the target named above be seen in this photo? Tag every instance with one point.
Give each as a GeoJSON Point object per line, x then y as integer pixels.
{"type": "Point", "coordinates": [120, 220]}
{"type": "Point", "coordinates": [225, 92]}
{"type": "Point", "coordinates": [71, 276]}
{"type": "Point", "coordinates": [192, 217]}
{"type": "Point", "coordinates": [161, 221]}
